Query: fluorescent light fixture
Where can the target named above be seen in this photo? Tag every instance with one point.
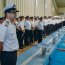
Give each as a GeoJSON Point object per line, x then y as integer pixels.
{"type": "Point", "coordinates": [45, 6]}
{"type": "Point", "coordinates": [53, 8]}
{"type": "Point", "coordinates": [36, 2]}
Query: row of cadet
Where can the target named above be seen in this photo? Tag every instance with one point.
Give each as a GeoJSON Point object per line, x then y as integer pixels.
{"type": "Point", "coordinates": [32, 29]}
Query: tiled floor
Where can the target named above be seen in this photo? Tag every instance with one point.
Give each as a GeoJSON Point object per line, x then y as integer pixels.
{"type": "Point", "coordinates": [36, 60]}
{"type": "Point", "coordinates": [26, 48]}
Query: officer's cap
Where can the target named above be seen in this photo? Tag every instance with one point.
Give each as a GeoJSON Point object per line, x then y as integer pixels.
{"type": "Point", "coordinates": [35, 17]}
{"type": "Point", "coordinates": [21, 17]}
{"type": "Point", "coordinates": [40, 18]}
{"type": "Point", "coordinates": [45, 16]}
{"type": "Point", "coordinates": [10, 8]}
{"type": "Point", "coordinates": [31, 17]}
{"type": "Point", "coordinates": [26, 17]}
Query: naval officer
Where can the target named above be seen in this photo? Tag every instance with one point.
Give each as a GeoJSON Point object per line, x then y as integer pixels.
{"type": "Point", "coordinates": [8, 39]}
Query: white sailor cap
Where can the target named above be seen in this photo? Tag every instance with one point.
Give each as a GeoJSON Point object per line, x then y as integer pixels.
{"type": "Point", "coordinates": [10, 8]}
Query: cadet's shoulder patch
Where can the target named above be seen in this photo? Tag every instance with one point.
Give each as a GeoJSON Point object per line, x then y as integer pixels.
{"type": "Point", "coordinates": [7, 23]}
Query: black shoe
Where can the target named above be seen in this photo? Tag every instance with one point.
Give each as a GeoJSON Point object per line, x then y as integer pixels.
{"type": "Point", "coordinates": [26, 45]}
{"type": "Point", "coordinates": [21, 48]}
{"type": "Point", "coordinates": [29, 44]}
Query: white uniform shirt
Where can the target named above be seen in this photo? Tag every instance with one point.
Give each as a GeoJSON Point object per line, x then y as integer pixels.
{"type": "Point", "coordinates": [32, 23]}
{"type": "Point", "coordinates": [8, 36]}
{"type": "Point", "coordinates": [27, 25]}
{"type": "Point", "coordinates": [54, 21]}
{"type": "Point", "coordinates": [45, 22]}
{"type": "Point", "coordinates": [59, 21]}
{"type": "Point", "coordinates": [21, 24]}
{"type": "Point", "coordinates": [17, 24]}
{"type": "Point", "coordinates": [50, 21]}
{"type": "Point", "coordinates": [40, 26]}
{"type": "Point", "coordinates": [0, 24]}
{"type": "Point", "coordinates": [63, 19]}
{"type": "Point", "coordinates": [35, 23]}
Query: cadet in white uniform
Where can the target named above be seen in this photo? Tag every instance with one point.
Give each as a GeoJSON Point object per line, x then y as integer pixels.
{"type": "Point", "coordinates": [40, 27]}
{"type": "Point", "coordinates": [32, 29]}
{"type": "Point", "coordinates": [49, 25]}
{"type": "Point", "coordinates": [27, 26]}
{"type": "Point", "coordinates": [21, 32]}
{"type": "Point", "coordinates": [8, 39]}
{"type": "Point", "coordinates": [35, 29]}
{"type": "Point", "coordinates": [17, 28]}
{"type": "Point", "coordinates": [16, 22]}
{"type": "Point", "coordinates": [45, 24]}
{"type": "Point", "coordinates": [54, 23]}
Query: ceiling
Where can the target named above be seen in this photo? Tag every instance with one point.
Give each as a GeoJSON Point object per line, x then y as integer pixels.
{"type": "Point", "coordinates": [60, 3]}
